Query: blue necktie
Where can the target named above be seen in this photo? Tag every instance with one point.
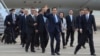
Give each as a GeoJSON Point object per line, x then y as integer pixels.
{"type": "Point", "coordinates": [56, 19]}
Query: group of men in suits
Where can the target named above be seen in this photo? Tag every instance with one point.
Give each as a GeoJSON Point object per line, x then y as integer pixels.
{"type": "Point", "coordinates": [36, 28]}
{"type": "Point", "coordinates": [33, 29]}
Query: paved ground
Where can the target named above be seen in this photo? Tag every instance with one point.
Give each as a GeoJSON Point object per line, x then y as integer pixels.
{"type": "Point", "coordinates": [17, 50]}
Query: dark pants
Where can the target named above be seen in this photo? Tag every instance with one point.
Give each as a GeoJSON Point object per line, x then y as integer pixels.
{"type": "Point", "coordinates": [55, 35]}
{"type": "Point", "coordinates": [37, 39]}
{"type": "Point", "coordinates": [44, 39]}
{"type": "Point", "coordinates": [79, 38]}
{"type": "Point", "coordinates": [13, 35]}
{"type": "Point", "coordinates": [70, 32]}
{"type": "Point", "coordinates": [86, 34]}
{"type": "Point", "coordinates": [23, 37]}
{"type": "Point", "coordinates": [9, 35]}
{"type": "Point", "coordinates": [30, 41]}
{"type": "Point", "coordinates": [63, 38]}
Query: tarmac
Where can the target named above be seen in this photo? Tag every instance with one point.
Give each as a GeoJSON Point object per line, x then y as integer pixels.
{"type": "Point", "coordinates": [17, 50]}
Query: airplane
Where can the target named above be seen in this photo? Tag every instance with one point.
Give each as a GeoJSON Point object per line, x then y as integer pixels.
{"type": "Point", "coordinates": [75, 4]}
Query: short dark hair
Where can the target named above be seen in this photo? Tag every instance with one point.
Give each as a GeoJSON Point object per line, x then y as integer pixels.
{"type": "Point", "coordinates": [54, 8]}
{"type": "Point", "coordinates": [81, 9]}
{"type": "Point", "coordinates": [32, 8]}
{"type": "Point", "coordinates": [87, 8]}
{"type": "Point", "coordinates": [62, 13]}
{"type": "Point", "coordinates": [12, 10]}
{"type": "Point", "coordinates": [22, 8]}
{"type": "Point", "coordinates": [39, 10]}
{"type": "Point", "coordinates": [70, 9]}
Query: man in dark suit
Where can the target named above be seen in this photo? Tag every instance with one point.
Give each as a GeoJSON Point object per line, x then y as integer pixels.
{"type": "Point", "coordinates": [37, 36]}
{"type": "Point", "coordinates": [70, 19]}
{"type": "Point", "coordinates": [86, 28]}
{"type": "Point", "coordinates": [78, 19]}
{"type": "Point", "coordinates": [21, 23]}
{"type": "Point", "coordinates": [54, 28]}
{"type": "Point", "coordinates": [31, 23]}
{"type": "Point", "coordinates": [23, 26]}
{"type": "Point", "coordinates": [11, 22]}
{"type": "Point", "coordinates": [42, 28]}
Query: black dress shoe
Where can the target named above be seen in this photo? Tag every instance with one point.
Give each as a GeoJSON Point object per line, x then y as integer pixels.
{"type": "Point", "coordinates": [52, 53]}
{"type": "Point", "coordinates": [32, 50]}
{"type": "Point", "coordinates": [71, 46]}
{"type": "Point", "coordinates": [93, 55]}
{"type": "Point", "coordinates": [26, 50]}
{"type": "Point", "coordinates": [23, 45]}
{"type": "Point", "coordinates": [84, 47]}
{"type": "Point", "coordinates": [75, 53]}
{"type": "Point", "coordinates": [43, 50]}
{"type": "Point", "coordinates": [57, 53]}
{"type": "Point", "coordinates": [64, 47]}
{"type": "Point", "coordinates": [2, 41]}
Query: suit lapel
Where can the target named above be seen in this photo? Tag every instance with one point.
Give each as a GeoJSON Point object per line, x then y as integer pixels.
{"type": "Point", "coordinates": [89, 18]}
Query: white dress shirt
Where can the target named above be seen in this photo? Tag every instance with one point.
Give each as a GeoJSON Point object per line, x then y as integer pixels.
{"type": "Point", "coordinates": [33, 17]}
{"type": "Point", "coordinates": [14, 18]}
{"type": "Point", "coordinates": [87, 16]}
{"type": "Point", "coordinates": [56, 18]}
{"type": "Point", "coordinates": [45, 19]}
{"type": "Point", "coordinates": [71, 17]}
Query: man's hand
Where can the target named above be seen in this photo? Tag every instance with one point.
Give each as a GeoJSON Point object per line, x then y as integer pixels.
{"type": "Point", "coordinates": [60, 33]}
{"type": "Point", "coordinates": [36, 31]}
{"type": "Point", "coordinates": [81, 30]}
{"type": "Point", "coordinates": [9, 23]}
{"type": "Point", "coordinates": [35, 24]}
{"type": "Point", "coordinates": [76, 29]}
{"type": "Point", "coordinates": [20, 31]}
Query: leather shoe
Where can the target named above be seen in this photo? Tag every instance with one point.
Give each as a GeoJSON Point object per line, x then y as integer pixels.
{"type": "Point", "coordinates": [57, 53]}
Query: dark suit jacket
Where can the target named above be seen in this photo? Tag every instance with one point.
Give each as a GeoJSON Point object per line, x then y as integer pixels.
{"type": "Point", "coordinates": [30, 22]}
{"type": "Point", "coordinates": [78, 20]}
{"type": "Point", "coordinates": [20, 21]}
{"type": "Point", "coordinates": [69, 23]}
{"type": "Point", "coordinates": [23, 23]}
{"type": "Point", "coordinates": [10, 19]}
{"type": "Point", "coordinates": [88, 25]}
{"type": "Point", "coordinates": [52, 25]}
{"type": "Point", "coordinates": [42, 26]}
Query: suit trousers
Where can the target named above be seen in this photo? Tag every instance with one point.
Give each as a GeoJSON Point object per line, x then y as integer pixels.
{"type": "Point", "coordinates": [70, 34]}
{"type": "Point", "coordinates": [30, 41]}
{"type": "Point", "coordinates": [55, 35]}
{"type": "Point", "coordinates": [86, 35]}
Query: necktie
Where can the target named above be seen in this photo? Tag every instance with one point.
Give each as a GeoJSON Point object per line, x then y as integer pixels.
{"type": "Point", "coordinates": [56, 19]}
